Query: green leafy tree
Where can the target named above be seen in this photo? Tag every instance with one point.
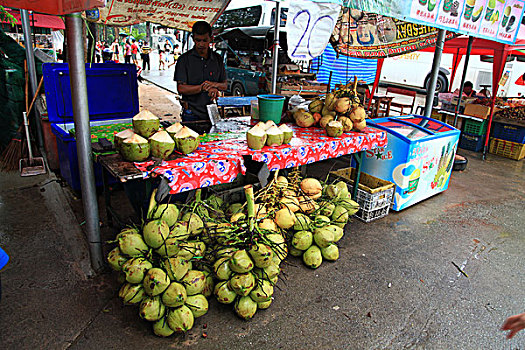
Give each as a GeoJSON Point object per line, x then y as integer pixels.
{"type": "Point", "coordinates": [7, 17]}
{"type": "Point", "coordinates": [137, 35]}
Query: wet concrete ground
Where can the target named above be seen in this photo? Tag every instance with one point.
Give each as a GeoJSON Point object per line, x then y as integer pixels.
{"type": "Point", "coordinates": [394, 286]}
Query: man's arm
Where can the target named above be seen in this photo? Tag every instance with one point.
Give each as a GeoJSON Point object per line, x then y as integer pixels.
{"type": "Point", "coordinates": [221, 85]}
{"type": "Point", "coordinates": [186, 89]}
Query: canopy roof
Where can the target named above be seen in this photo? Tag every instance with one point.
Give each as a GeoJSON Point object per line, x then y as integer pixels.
{"type": "Point", "coordinates": [40, 20]}
{"type": "Point", "coordinates": [480, 47]}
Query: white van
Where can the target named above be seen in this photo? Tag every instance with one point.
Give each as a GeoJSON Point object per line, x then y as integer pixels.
{"type": "Point", "coordinates": [413, 69]}
{"type": "Point", "coordinates": [242, 13]}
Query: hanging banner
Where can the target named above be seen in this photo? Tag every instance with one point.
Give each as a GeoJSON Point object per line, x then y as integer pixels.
{"type": "Point", "coordinates": [497, 20]}
{"type": "Point", "coordinates": [176, 14]}
{"type": "Point", "coordinates": [367, 35]}
{"type": "Point", "coordinates": [309, 27]}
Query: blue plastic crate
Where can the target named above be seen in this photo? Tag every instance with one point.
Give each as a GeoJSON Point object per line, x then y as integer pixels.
{"type": "Point", "coordinates": [471, 142]}
{"type": "Point", "coordinates": [509, 132]}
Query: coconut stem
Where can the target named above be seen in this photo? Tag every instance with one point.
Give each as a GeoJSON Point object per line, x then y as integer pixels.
{"type": "Point", "coordinates": [250, 203]}
{"type": "Point", "coordinates": [198, 195]}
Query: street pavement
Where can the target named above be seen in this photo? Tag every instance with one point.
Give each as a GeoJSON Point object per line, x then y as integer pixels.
{"type": "Point", "coordinates": [161, 78]}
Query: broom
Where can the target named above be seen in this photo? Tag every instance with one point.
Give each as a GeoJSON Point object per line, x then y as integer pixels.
{"type": "Point", "coordinates": [16, 148]}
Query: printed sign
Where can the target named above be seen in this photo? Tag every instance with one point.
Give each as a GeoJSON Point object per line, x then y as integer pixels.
{"type": "Point", "coordinates": [309, 27]}
{"type": "Point", "coordinates": [497, 20]}
{"type": "Point", "coordinates": [367, 35]}
{"type": "Point", "coordinates": [176, 14]}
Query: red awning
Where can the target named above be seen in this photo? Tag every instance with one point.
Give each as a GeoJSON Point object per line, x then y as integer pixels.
{"type": "Point", "coordinates": [40, 21]}
{"type": "Point", "coordinates": [53, 7]}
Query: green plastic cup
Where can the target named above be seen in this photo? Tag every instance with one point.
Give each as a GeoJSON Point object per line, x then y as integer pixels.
{"type": "Point", "coordinates": [270, 108]}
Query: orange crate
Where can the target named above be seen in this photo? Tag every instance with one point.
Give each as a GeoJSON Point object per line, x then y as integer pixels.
{"type": "Point", "coordinates": [508, 149]}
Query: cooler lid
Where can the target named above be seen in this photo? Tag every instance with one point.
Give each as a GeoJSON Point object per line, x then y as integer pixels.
{"type": "Point", "coordinates": [410, 132]}
{"type": "Point", "coordinates": [427, 123]}
{"type": "Point", "coordinates": [112, 91]}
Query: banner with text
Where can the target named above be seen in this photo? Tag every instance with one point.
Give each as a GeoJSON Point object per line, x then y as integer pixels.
{"type": "Point", "coordinates": [497, 20]}
{"type": "Point", "coordinates": [176, 14]}
{"type": "Point", "coordinates": [368, 35]}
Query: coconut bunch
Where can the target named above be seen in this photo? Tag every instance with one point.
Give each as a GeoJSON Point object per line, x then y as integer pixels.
{"type": "Point", "coordinates": [161, 269]}
{"type": "Point", "coordinates": [268, 134]}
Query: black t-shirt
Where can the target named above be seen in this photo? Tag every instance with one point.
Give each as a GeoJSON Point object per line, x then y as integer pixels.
{"type": "Point", "coordinates": [192, 69]}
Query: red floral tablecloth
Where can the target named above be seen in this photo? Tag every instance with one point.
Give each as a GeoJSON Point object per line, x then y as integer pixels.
{"type": "Point", "coordinates": [219, 162]}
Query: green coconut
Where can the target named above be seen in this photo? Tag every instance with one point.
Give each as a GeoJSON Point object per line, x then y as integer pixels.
{"type": "Point", "coordinates": [215, 201]}
{"type": "Point", "coordinates": [285, 218]}
{"type": "Point", "coordinates": [302, 222]}
{"type": "Point", "coordinates": [269, 124]}
{"type": "Point", "coordinates": [242, 283]}
{"type": "Point", "coordinates": [209, 284]}
{"type": "Point", "coordinates": [135, 269]}
{"type": "Point", "coordinates": [198, 305]}
{"type": "Point", "coordinates": [146, 124]}
{"type": "Point", "coordinates": [161, 328]}
{"type": "Point", "coordinates": [323, 237]}
{"type": "Point", "coordinates": [194, 282]}
{"type": "Point", "coordinates": [169, 249]}
{"type": "Point", "coordinates": [268, 273]}
{"type": "Point", "coordinates": [339, 224]}
{"type": "Point", "coordinates": [261, 125]}
{"type": "Point", "coordinates": [245, 307]}
{"type": "Point", "coordinates": [161, 145]}
{"type": "Point", "coordinates": [222, 268]}
{"type": "Point", "coordinates": [268, 225]}
{"type": "Point", "coordinates": [264, 304]}
{"type": "Point", "coordinates": [241, 262]}
{"type": "Point", "coordinates": [223, 293]}
{"type": "Point", "coordinates": [116, 259]}
{"type": "Point", "coordinates": [186, 140]}
{"type": "Point", "coordinates": [336, 230]}
{"type": "Point", "coordinates": [180, 231]}
{"type": "Point", "coordinates": [189, 249]}
{"type": "Point", "coordinates": [296, 252]}
{"type": "Point", "coordinates": [280, 248]}
{"type": "Point", "coordinates": [330, 253]}
{"type": "Point", "coordinates": [195, 223]}
{"type": "Point", "coordinates": [302, 240]}
{"type": "Point", "coordinates": [155, 233]}
{"type": "Point", "coordinates": [176, 267]}
{"type": "Point", "coordinates": [132, 244]}
{"type": "Point", "coordinates": [274, 137]}
{"type": "Point", "coordinates": [287, 133]}
{"type": "Point", "coordinates": [334, 129]}
{"type": "Point", "coordinates": [173, 129]}
{"type": "Point", "coordinates": [165, 212]}
{"type": "Point", "coordinates": [156, 281]}
{"type": "Point", "coordinates": [256, 137]}
{"type": "Point", "coordinates": [321, 221]}
{"type": "Point", "coordinates": [152, 309]}
{"type": "Point", "coordinates": [262, 292]}
{"type": "Point", "coordinates": [261, 254]}
{"type": "Point", "coordinates": [180, 319]}
{"type": "Point", "coordinates": [119, 137]}
{"type": "Point", "coordinates": [135, 149]}
{"type": "Point", "coordinates": [234, 209]}
{"type": "Point", "coordinates": [342, 189]}
{"type": "Point", "coordinates": [340, 214]}
{"type": "Point", "coordinates": [351, 206]}
{"type": "Point", "coordinates": [175, 295]}
{"type": "Point", "coordinates": [225, 252]}
{"type": "Point", "coordinates": [326, 208]}
{"type": "Point", "coordinates": [312, 257]}
{"type": "Point", "coordinates": [131, 294]}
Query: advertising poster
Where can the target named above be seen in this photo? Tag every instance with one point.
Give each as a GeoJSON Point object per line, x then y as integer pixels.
{"type": "Point", "coordinates": [425, 10]}
{"type": "Point", "coordinates": [511, 20]}
{"type": "Point", "coordinates": [450, 12]}
{"type": "Point", "coordinates": [492, 17]}
{"type": "Point", "coordinates": [367, 35]}
{"type": "Point", "coordinates": [472, 13]}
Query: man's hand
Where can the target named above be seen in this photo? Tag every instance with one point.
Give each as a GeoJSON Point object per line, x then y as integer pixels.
{"type": "Point", "coordinates": [207, 85]}
{"type": "Point", "coordinates": [213, 93]}
{"type": "Point", "coordinates": [514, 324]}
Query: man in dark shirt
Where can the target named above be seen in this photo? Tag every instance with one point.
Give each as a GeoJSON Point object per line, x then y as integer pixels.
{"type": "Point", "coordinates": [199, 74]}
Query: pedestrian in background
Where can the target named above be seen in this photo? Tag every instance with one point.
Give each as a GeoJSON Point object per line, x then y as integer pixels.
{"type": "Point", "coordinates": [134, 52]}
{"type": "Point", "coordinates": [115, 48]}
{"type": "Point", "coordinates": [144, 54]}
{"type": "Point", "coordinates": [127, 52]}
{"type": "Point", "coordinates": [161, 60]}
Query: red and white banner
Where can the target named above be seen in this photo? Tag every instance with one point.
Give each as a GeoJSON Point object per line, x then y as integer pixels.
{"type": "Point", "coordinates": [176, 14]}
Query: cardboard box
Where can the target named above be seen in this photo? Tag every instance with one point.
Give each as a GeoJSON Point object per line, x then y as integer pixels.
{"type": "Point", "coordinates": [478, 111]}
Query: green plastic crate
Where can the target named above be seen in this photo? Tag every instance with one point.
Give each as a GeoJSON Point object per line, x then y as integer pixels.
{"type": "Point", "coordinates": [474, 127]}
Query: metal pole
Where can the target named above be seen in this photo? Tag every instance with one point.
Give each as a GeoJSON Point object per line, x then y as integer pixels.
{"type": "Point", "coordinates": [275, 58]}
{"type": "Point", "coordinates": [77, 76]}
{"type": "Point", "coordinates": [467, 57]}
{"type": "Point", "coordinates": [30, 57]}
{"type": "Point", "coordinates": [435, 72]}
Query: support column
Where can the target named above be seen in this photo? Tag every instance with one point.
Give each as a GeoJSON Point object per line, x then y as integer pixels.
{"type": "Point", "coordinates": [275, 58]}
{"type": "Point", "coordinates": [435, 72]}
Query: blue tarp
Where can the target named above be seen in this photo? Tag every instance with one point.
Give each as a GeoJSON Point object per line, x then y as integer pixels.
{"type": "Point", "coordinates": [344, 68]}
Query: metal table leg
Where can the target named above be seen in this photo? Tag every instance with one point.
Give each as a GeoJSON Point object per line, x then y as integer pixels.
{"type": "Point", "coordinates": [107, 196]}
{"type": "Point", "coordinates": [358, 157]}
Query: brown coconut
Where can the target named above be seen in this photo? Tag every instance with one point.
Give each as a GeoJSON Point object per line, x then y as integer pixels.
{"type": "Point", "coordinates": [311, 186]}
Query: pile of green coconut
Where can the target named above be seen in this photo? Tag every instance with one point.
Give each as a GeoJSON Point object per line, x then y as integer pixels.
{"type": "Point", "coordinates": [184, 254]}
{"type": "Point", "coordinates": [269, 134]}
{"type": "Point", "coordinates": [147, 139]}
